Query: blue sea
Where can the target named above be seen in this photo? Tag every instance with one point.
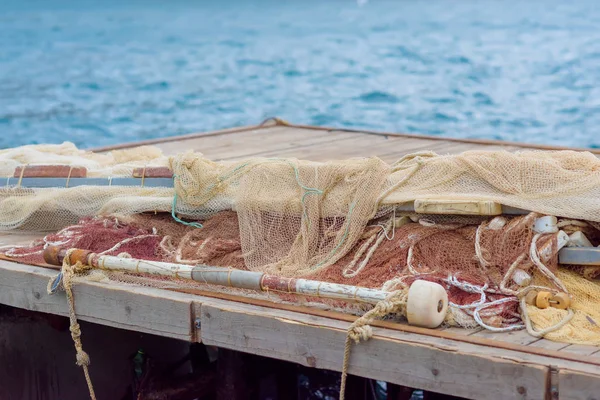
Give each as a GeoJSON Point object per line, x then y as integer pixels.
{"type": "Point", "coordinates": [103, 72]}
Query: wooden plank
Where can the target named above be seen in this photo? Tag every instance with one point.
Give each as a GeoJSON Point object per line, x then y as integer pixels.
{"type": "Point", "coordinates": [406, 359]}
{"type": "Point", "coordinates": [404, 136]}
{"type": "Point", "coordinates": [574, 385]}
{"type": "Point", "coordinates": [457, 207]}
{"type": "Point", "coordinates": [50, 171]}
{"type": "Point", "coordinates": [584, 350]}
{"type": "Point", "coordinates": [16, 238]}
{"type": "Point", "coordinates": [358, 146]}
{"type": "Point", "coordinates": [548, 344]}
{"type": "Point", "coordinates": [152, 172]}
{"type": "Point", "coordinates": [140, 309]}
{"type": "Point", "coordinates": [519, 337]}
{"type": "Point", "coordinates": [483, 142]}
{"type": "Point", "coordinates": [171, 139]}
{"type": "Point", "coordinates": [462, 331]}
{"type": "Point", "coordinates": [206, 143]}
{"type": "Point", "coordinates": [247, 144]}
{"type": "Point", "coordinates": [403, 148]}
{"type": "Point", "coordinates": [262, 150]}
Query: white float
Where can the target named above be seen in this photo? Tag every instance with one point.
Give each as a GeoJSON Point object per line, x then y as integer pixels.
{"type": "Point", "coordinates": [578, 239]}
{"type": "Point", "coordinates": [427, 304]}
{"type": "Point", "coordinates": [546, 224]}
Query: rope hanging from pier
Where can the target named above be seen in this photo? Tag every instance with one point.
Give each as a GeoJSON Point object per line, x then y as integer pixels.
{"type": "Point", "coordinates": [68, 272]}
{"type": "Point", "coordinates": [360, 330]}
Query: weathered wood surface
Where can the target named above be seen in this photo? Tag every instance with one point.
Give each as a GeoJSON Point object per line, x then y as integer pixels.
{"type": "Point", "coordinates": [126, 307]}
{"type": "Point", "coordinates": [432, 363]}
{"type": "Point", "coordinates": [408, 359]}
{"type": "Point", "coordinates": [427, 362]}
{"type": "Point", "coordinates": [409, 142]}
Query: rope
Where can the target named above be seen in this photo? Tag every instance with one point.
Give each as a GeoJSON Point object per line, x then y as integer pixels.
{"type": "Point", "coordinates": [68, 271]}
{"type": "Point", "coordinates": [545, 331]}
{"type": "Point", "coordinates": [177, 219]}
{"type": "Point", "coordinates": [535, 257]}
{"type": "Point", "coordinates": [349, 271]}
{"type": "Point", "coordinates": [360, 330]}
{"type": "Point", "coordinates": [483, 263]}
{"type": "Point", "coordinates": [143, 176]}
{"type": "Point", "coordinates": [21, 176]}
{"type": "Point", "coordinates": [69, 177]}
{"type": "Point", "coordinates": [276, 120]}
{"type": "Point", "coordinates": [478, 319]}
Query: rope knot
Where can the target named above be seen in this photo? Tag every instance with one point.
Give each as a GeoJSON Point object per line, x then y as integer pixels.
{"type": "Point", "coordinates": [75, 331]}
{"type": "Point", "coordinates": [79, 268]}
{"type": "Point", "coordinates": [386, 307]}
{"type": "Point", "coordinates": [82, 358]}
{"type": "Point", "coordinates": [360, 333]}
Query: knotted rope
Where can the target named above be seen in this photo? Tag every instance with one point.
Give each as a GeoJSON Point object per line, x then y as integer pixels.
{"type": "Point", "coordinates": [68, 271]}
{"type": "Point", "coordinates": [360, 330]}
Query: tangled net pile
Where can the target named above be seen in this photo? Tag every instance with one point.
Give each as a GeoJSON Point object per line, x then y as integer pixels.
{"type": "Point", "coordinates": [336, 222]}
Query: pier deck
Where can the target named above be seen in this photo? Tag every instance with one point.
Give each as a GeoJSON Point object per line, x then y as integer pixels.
{"type": "Point", "coordinates": [474, 364]}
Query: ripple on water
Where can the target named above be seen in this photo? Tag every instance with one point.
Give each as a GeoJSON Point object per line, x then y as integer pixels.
{"type": "Point", "coordinates": [152, 69]}
{"type": "Point", "coordinates": [378, 97]}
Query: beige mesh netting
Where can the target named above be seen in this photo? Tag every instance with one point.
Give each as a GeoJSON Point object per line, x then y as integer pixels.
{"type": "Point", "coordinates": [55, 207]}
{"type": "Point", "coordinates": [564, 183]}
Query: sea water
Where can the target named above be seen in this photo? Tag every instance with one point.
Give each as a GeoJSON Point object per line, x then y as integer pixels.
{"type": "Point", "coordinates": [103, 72]}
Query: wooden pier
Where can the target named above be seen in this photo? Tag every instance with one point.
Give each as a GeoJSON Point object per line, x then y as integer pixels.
{"type": "Point", "coordinates": [473, 364]}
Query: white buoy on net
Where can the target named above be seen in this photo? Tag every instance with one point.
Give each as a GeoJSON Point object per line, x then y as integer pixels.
{"type": "Point", "coordinates": [427, 304]}
{"type": "Point", "coordinates": [546, 224]}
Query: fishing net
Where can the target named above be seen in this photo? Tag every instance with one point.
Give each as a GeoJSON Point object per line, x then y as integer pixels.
{"type": "Point", "coordinates": [49, 208]}
{"type": "Point", "coordinates": [338, 221]}
{"type": "Point", "coordinates": [478, 283]}
{"type": "Point", "coordinates": [301, 215]}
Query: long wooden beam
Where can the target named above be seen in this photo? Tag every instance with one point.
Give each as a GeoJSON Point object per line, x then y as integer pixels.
{"type": "Point", "coordinates": [273, 122]}
{"type": "Point", "coordinates": [441, 364]}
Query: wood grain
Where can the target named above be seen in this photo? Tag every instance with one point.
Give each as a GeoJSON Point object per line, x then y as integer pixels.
{"type": "Point", "coordinates": [140, 309]}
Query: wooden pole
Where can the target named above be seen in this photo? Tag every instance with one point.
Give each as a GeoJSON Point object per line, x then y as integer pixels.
{"type": "Point", "coordinates": [220, 276]}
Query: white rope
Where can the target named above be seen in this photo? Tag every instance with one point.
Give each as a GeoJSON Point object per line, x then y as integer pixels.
{"type": "Point", "coordinates": [483, 263]}
{"type": "Point", "coordinates": [545, 331]}
{"type": "Point", "coordinates": [125, 241]}
{"type": "Point", "coordinates": [477, 316]}
{"type": "Point", "coordinates": [469, 288]}
{"type": "Point", "coordinates": [533, 254]}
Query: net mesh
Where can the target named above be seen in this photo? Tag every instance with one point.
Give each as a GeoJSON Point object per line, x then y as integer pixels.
{"type": "Point", "coordinates": [335, 222]}
{"type": "Point", "coordinates": [441, 253]}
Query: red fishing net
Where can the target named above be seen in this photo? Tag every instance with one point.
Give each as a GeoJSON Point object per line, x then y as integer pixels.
{"type": "Point", "coordinates": [469, 257]}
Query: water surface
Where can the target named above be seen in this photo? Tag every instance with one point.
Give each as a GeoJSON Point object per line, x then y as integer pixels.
{"type": "Point", "coordinates": [97, 73]}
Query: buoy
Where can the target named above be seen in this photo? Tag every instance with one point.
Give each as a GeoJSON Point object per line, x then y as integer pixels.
{"type": "Point", "coordinates": [521, 278]}
{"type": "Point", "coordinates": [542, 299]}
{"type": "Point", "coordinates": [497, 223]}
{"type": "Point", "coordinates": [578, 239]}
{"type": "Point", "coordinates": [561, 301]}
{"type": "Point", "coordinates": [547, 224]}
{"type": "Point", "coordinates": [530, 297]}
{"type": "Point", "coordinates": [427, 304]}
